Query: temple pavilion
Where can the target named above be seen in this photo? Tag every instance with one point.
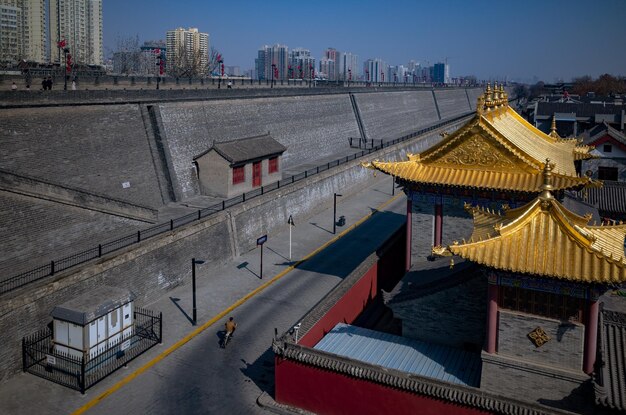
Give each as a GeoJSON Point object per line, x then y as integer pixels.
{"type": "Point", "coordinates": [546, 268]}
{"type": "Point", "coordinates": [496, 157]}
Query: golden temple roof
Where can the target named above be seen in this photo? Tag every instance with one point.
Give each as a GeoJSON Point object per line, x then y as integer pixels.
{"type": "Point", "coordinates": [543, 238]}
{"type": "Point", "coordinates": [497, 149]}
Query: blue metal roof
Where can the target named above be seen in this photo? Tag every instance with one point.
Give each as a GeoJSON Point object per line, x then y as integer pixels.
{"type": "Point", "coordinates": [408, 355]}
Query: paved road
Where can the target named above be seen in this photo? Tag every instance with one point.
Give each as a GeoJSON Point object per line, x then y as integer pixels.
{"type": "Point", "coordinates": [199, 377]}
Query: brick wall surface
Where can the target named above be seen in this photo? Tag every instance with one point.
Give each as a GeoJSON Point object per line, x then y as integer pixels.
{"type": "Point", "coordinates": [36, 231]}
{"type": "Point", "coordinates": [452, 102]}
{"type": "Point", "coordinates": [473, 95]}
{"type": "Point", "coordinates": [510, 377]}
{"type": "Point", "coordinates": [311, 127]}
{"type": "Point", "coordinates": [564, 350]}
{"type": "Point", "coordinates": [96, 148]}
{"type": "Point", "coordinates": [460, 312]}
{"type": "Point", "coordinates": [148, 271]}
{"type": "Point", "coordinates": [388, 115]}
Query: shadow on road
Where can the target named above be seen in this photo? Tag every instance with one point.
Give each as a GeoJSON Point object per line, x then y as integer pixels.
{"type": "Point", "coordinates": [318, 226]}
{"type": "Point", "coordinates": [261, 371]}
{"type": "Point", "coordinates": [244, 265]}
{"type": "Point", "coordinates": [347, 253]}
{"type": "Point", "coordinates": [175, 301]}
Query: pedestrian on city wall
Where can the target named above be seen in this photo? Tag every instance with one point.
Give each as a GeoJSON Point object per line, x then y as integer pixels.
{"type": "Point", "coordinates": [50, 83]}
{"type": "Point", "coordinates": [229, 85]}
{"type": "Point", "coordinates": [73, 85]}
{"type": "Point", "coordinates": [13, 86]}
{"type": "Point", "coordinates": [44, 84]}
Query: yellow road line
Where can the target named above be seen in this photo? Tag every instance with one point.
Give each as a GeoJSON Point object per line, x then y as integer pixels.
{"type": "Point", "coordinates": [222, 314]}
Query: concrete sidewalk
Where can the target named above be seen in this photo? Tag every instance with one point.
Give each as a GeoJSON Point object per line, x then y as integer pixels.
{"type": "Point", "coordinates": [230, 288]}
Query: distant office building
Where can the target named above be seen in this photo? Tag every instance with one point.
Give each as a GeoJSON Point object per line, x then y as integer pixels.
{"type": "Point", "coordinates": [272, 62]}
{"type": "Point", "coordinates": [412, 66]}
{"type": "Point", "coordinates": [334, 64]}
{"type": "Point", "coordinates": [11, 23]}
{"type": "Point", "coordinates": [152, 58]}
{"type": "Point", "coordinates": [232, 70]}
{"type": "Point", "coordinates": [349, 67]}
{"type": "Point", "coordinates": [187, 52]}
{"type": "Point", "coordinates": [301, 63]}
{"type": "Point", "coordinates": [441, 73]}
{"type": "Point", "coordinates": [79, 23]}
{"type": "Point", "coordinates": [30, 30]}
{"type": "Point", "coordinates": [375, 70]}
{"type": "Point", "coordinates": [327, 69]}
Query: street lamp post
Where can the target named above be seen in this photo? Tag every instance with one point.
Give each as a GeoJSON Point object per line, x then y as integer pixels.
{"type": "Point", "coordinates": [193, 285]}
{"type": "Point", "coordinates": [66, 51]}
{"type": "Point", "coordinates": [273, 72]}
{"type": "Point", "coordinates": [291, 224]}
{"type": "Point", "coordinates": [221, 69]}
{"type": "Point", "coordinates": [335, 195]}
{"type": "Point", "coordinates": [349, 76]}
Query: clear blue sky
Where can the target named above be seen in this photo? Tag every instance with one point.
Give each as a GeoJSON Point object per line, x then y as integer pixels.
{"type": "Point", "coordinates": [491, 39]}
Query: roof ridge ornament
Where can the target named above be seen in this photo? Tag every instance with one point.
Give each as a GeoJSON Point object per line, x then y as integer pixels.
{"type": "Point", "coordinates": [553, 132]}
{"type": "Point", "coordinates": [547, 186]}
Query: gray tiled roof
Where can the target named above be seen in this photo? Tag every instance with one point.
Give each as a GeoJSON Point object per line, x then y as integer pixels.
{"type": "Point", "coordinates": [601, 129]}
{"type": "Point", "coordinates": [610, 198]}
{"type": "Point", "coordinates": [574, 203]}
{"type": "Point", "coordinates": [247, 149]}
{"type": "Point", "coordinates": [610, 379]}
{"type": "Point", "coordinates": [92, 305]}
{"type": "Point", "coordinates": [581, 110]}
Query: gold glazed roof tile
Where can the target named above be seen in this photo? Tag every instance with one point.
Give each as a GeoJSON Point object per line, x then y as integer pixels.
{"type": "Point", "coordinates": [476, 179]}
{"type": "Point", "coordinates": [497, 149]}
{"type": "Point", "coordinates": [544, 238]}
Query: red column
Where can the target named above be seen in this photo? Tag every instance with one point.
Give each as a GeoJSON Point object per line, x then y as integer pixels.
{"type": "Point", "coordinates": [438, 233]}
{"type": "Point", "coordinates": [492, 318]}
{"type": "Point", "coordinates": [591, 338]}
{"type": "Point", "coordinates": [409, 228]}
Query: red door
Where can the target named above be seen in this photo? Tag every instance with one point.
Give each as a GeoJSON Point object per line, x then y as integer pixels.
{"type": "Point", "coordinates": [256, 174]}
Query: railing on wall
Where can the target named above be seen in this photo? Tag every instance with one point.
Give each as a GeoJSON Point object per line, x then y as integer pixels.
{"type": "Point", "coordinates": [82, 372]}
{"type": "Point", "coordinates": [78, 258]}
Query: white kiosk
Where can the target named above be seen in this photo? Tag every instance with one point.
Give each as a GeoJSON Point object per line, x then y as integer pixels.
{"type": "Point", "coordinates": [94, 322]}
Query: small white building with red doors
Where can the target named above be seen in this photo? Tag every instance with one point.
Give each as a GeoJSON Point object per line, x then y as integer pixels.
{"type": "Point", "coordinates": [231, 168]}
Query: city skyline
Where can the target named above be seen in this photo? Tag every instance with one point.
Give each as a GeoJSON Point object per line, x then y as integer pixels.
{"type": "Point", "coordinates": [531, 41]}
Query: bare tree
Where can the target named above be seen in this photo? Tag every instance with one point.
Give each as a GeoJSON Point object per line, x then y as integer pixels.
{"type": "Point", "coordinates": [214, 61]}
{"type": "Point", "coordinates": [193, 63]}
{"type": "Point", "coordinates": [126, 58]}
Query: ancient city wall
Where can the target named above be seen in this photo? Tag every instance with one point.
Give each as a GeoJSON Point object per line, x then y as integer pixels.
{"type": "Point", "coordinates": [452, 102]}
{"type": "Point", "coordinates": [102, 147]}
{"type": "Point", "coordinates": [156, 265]}
{"type": "Point", "coordinates": [389, 115]}
{"type": "Point", "coordinates": [311, 127]}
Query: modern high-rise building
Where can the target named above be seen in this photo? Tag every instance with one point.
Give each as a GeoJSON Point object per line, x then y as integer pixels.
{"type": "Point", "coordinates": [79, 23]}
{"type": "Point", "coordinates": [441, 73]}
{"type": "Point", "coordinates": [302, 64]}
{"type": "Point", "coordinates": [30, 30]}
{"type": "Point", "coordinates": [349, 67]}
{"type": "Point", "coordinates": [272, 59]}
{"type": "Point", "coordinates": [24, 31]}
{"type": "Point", "coordinates": [11, 49]}
{"type": "Point", "coordinates": [187, 52]}
{"type": "Point", "coordinates": [334, 64]}
{"type": "Point", "coordinates": [327, 69]}
{"type": "Point", "coordinates": [375, 70]}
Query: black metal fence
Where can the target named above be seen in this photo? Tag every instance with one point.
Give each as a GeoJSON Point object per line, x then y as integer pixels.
{"type": "Point", "coordinates": [80, 372]}
{"type": "Point", "coordinates": [62, 264]}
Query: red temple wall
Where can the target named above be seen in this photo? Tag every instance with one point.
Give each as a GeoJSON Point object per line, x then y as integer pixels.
{"type": "Point", "coordinates": [326, 392]}
{"type": "Point", "coordinates": [346, 309]}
